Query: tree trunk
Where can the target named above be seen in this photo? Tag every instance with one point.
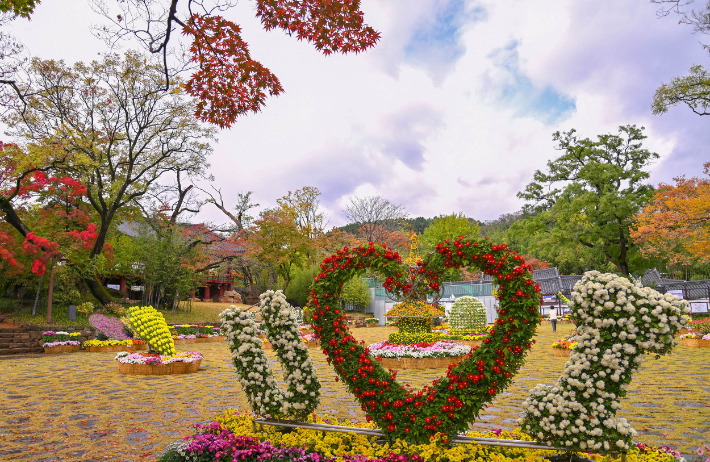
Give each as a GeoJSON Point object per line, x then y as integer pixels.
{"type": "Point", "coordinates": [39, 288]}
{"type": "Point", "coordinates": [50, 292]}
{"type": "Point", "coordinates": [97, 290]}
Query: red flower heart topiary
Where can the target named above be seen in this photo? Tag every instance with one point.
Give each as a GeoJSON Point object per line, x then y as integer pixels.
{"type": "Point", "coordinates": [453, 401]}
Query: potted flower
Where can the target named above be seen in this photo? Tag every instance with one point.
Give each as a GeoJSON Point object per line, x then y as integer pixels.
{"type": "Point", "coordinates": [423, 355]}
{"type": "Point", "coordinates": [372, 322]}
{"type": "Point", "coordinates": [60, 342]}
{"type": "Point", "coordinates": [696, 340]}
{"type": "Point", "coordinates": [563, 347]}
{"type": "Point", "coordinates": [113, 346]}
{"type": "Point", "coordinates": [310, 340]}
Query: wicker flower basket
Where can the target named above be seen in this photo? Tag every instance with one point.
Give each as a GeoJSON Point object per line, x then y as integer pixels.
{"type": "Point", "coordinates": [420, 363]}
{"type": "Point", "coordinates": [561, 352]}
{"type": "Point", "coordinates": [215, 339]}
{"type": "Point", "coordinates": [267, 346]}
{"type": "Point", "coordinates": [107, 349]}
{"type": "Point", "coordinates": [470, 343]}
{"type": "Point", "coordinates": [371, 324]}
{"type": "Point", "coordinates": [159, 369]}
{"type": "Point", "coordinates": [306, 331]}
{"type": "Point", "coordinates": [313, 344]}
{"type": "Point", "coordinates": [696, 343]}
{"type": "Point", "coordinates": [142, 347]}
{"type": "Point", "coordinates": [61, 349]}
{"type": "Point", "coordinates": [681, 332]}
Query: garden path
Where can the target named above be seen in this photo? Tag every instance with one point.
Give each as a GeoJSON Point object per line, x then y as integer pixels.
{"type": "Point", "coordinates": [78, 407]}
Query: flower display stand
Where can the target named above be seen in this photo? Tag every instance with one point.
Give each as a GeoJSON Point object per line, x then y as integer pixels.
{"type": "Point", "coordinates": [159, 369]}
{"type": "Point", "coordinates": [419, 363]}
{"type": "Point", "coordinates": [470, 343]}
{"type": "Point", "coordinates": [188, 341]}
{"type": "Point", "coordinates": [561, 352]}
{"type": "Point", "coordinates": [696, 343]}
{"type": "Point", "coordinates": [116, 348]}
{"type": "Point", "coordinates": [61, 349]}
{"type": "Point", "coordinates": [107, 349]}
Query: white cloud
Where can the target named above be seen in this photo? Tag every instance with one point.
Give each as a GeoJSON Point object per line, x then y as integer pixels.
{"type": "Point", "coordinates": [439, 115]}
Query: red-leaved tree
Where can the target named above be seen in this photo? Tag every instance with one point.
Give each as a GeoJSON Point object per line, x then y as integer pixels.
{"type": "Point", "coordinates": [225, 79]}
{"type": "Point", "coordinates": [61, 228]}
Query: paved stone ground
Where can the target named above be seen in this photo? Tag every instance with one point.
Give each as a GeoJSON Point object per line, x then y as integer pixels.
{"type": "Point", "coordinates": [78, 407]}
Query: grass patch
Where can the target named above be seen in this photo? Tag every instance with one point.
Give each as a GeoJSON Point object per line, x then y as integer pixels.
{"type": "Point", "coordinates": [200, 313]}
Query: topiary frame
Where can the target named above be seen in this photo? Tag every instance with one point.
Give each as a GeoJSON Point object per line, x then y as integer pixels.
{"type": "Point", "coordinates": [468, 316]}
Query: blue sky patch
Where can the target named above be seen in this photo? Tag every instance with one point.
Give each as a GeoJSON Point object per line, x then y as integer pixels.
{"type": "Point", "coordinates": [436, 42]}
{"type": "Point", "coordinates": [516, 89]}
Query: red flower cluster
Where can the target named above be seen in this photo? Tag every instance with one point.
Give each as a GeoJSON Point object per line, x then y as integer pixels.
{"type": "Point", "coordinates": [450, 403]}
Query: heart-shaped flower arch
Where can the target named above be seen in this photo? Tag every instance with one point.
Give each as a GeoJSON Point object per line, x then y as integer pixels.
{"type": "Point", "coordinates": [453, 401]}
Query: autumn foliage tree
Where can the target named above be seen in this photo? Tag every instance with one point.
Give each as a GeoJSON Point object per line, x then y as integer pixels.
{"type": "Point", "coordinates": [109, 125]}
{"type": "Point", "coordinates": [675, 225]}
{"type": "Point", "coordinates": [225, 79]}
{"type": "Point", "coordinates": [52, 207]}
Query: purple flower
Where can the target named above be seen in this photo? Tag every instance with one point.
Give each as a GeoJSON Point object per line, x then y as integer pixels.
{"type": "Point", "coordinates": [111, 327]}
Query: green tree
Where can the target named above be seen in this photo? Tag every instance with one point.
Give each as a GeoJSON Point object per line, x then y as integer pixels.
{"type": "Point", "coordinates": [120, 141]}
{"type": "Point", "coordinates": [692, 90]}
{"type": "Point", "coordinates": [301, 280]}
{"type": "Point", "coordinates": [355, 291]}
{"type": "Point", "coordinates": [588, 196]}
{"type": "Point", "coordinates": [448, 227]}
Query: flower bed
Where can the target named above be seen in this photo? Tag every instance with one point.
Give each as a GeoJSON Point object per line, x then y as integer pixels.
{"type": "Point", "coordinates": [110, 326]}
{"type": "Point", "coordinates": [233, 438]}
{"type": "Point", "coordinates": [60, 342]}
{"type": "Point", "coordinates": [154, 364]}
{"type": "Point", "coordinates": [564, 346]}
{"type": "Point", "coordinates": [113, 346]}
{"type": "Point", "coordinates": [418, 356]}
{"type": "Point", "coordinates": [199, 338]}
{"type": "Point", "coordinates": [696, 340]}
{"type": "Point", "coordinates": [310, 340]}
{"type": "Point", "coordinates": [372, 322]}
{"type": "Point", "coordinates": [69, 346]}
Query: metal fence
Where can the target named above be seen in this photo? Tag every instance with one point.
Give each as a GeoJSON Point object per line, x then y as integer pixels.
{"type": "Point", "coordinates": [378, 433]}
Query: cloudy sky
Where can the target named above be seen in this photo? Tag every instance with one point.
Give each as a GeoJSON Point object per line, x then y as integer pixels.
{"type": "Point", "coordinates": [452, 111]}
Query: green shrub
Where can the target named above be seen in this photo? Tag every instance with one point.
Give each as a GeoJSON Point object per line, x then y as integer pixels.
{"type": "Point", "coordinates": [468, 316]}
{"type": "Point", "coordinates": [85, 308]}
{"type": "Point", "coordinates": [297, 290]}
{"type": "Point", "coordinates": [115, 309]}
{"type": "Point", "coordinates": [355, 291]}
{"type": "Point", "coordinates": [408, 338]}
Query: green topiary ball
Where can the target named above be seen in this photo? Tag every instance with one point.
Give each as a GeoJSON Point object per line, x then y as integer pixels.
{"type": "Point", "coordinates": [468, 316]}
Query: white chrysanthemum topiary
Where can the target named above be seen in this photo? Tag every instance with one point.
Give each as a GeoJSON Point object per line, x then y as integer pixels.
{"type": "Point", "coordinates": [303, 388]}
{"type": "Point", "coordinates": [618, 322]}
{"type": "Point", "coordinates": [468, 316]}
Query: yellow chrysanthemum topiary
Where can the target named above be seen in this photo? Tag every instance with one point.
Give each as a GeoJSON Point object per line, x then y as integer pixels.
{"type": "Point", "coordinates": [414, 323]}
{"type": "Point", "coordinates": [150, 325]}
